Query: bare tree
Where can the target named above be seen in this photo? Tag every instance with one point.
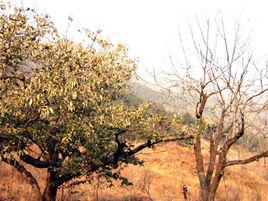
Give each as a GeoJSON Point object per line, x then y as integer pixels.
{"type": "Point", "coordinates": [226, 92]}
{"type": "Point", "coordinates": [146, 183]}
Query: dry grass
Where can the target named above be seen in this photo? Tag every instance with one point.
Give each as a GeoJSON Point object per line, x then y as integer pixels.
{"type": "Point", "coordinates": [167, 168]}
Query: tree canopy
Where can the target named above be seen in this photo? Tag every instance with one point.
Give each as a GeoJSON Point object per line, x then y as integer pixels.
{"type": "Point", "coordinates": [65, 98]}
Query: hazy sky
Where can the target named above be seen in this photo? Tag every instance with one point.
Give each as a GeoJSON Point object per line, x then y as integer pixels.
{"type": "Point", "coordinates": [150, 27]}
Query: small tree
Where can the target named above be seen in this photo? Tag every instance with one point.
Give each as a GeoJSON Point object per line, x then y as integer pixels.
{"type": "Point", "coordinates": [226, 92]}
{"type": "Point", "coordinates": [66, 99]}
{"type": "Point", "coordinates": [146, 182]}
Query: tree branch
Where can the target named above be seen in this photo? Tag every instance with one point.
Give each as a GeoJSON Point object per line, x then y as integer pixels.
{"type": "Point", "coordinates": [31, 120]}
{"type": "Point", "coordinates": [110, 160]}
{"type": "Point", "coordinates": [239, 134]}
{"type": "Point", "coordinates": [148, 144]}
{"type": "Point", "coordinates": [248, 160]}
{"type": "Point", "coordinates": [120, 146]}
{"type": "Point", "coordinates": [34, 162]}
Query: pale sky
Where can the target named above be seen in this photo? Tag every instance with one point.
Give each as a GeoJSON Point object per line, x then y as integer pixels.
{"type": "Point", "coordinates": [150, 27]}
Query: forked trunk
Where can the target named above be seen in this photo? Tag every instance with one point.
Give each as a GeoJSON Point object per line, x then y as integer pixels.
{"type": "Point", "coordinates": [50, 191]}
{"type": "Point", "coordinates": [209, 193]}
{"type": "Point", "coordinates": [212, 196]}
{"type": "Point", "coordinates": [204, 195]}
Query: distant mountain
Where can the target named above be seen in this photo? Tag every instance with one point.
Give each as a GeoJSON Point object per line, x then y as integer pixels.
{"type": "Point", "coordinates": [159, 96]}
{"type": "Point", "coordinates": [148, 93]}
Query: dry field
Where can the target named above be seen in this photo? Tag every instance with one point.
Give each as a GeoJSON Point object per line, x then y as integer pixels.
{"type": "Point", "coordinates": [167, 168]}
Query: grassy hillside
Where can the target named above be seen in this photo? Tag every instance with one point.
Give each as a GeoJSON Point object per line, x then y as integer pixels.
{"type": "Point", "coordinates": [167, 168]}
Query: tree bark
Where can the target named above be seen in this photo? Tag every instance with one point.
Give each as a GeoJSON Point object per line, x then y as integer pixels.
{"type": "Point", "coordinates": [204, 194]}
{"type": "Point", "coordinates": [214, 185]}
{"type": "Point", "coordinates": [50, 192]}
{"type": "Point", "coordinates": [208, 195]}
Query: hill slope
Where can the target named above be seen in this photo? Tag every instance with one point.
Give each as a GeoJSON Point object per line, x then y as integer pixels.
{"type": "Point", "coordinates": [167, 168]}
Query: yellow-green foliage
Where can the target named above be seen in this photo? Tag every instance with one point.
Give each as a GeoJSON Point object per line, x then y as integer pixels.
{"type": "Point", "coordinates": [64, 97]}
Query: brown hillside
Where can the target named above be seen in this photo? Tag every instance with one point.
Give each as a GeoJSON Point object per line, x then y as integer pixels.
{"type": "Point", "coordinates": [167, 168]}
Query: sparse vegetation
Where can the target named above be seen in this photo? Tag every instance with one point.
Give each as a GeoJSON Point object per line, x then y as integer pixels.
{"type": "Point", "coordinates": [169, 171]}
{"type": "Point", "coordinates": [146, 183]}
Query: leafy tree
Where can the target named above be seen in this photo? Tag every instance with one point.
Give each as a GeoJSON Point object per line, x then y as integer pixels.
{"type": "Point", "coordinates": [66, 99]}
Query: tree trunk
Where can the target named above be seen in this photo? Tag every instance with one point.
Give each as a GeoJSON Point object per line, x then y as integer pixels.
{"type": "Point", "coordinates": [204, 195]}
{"type": "Point", "coordinates": [211, 196]}
{"type": "Point", "coordinates": [207, 195]}
{"type": "Point", "coordinates": [208, 192]}
{"type": "Point", "coordinates": [50, 191]}
{"type": "Point", "coordinates": [214, 186]}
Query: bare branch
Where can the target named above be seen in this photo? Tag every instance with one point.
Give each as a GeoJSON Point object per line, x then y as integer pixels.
{"type": "Point", "coordinates": [248, 160]}
{"type": "Point", "coordinates": [147, 144]}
